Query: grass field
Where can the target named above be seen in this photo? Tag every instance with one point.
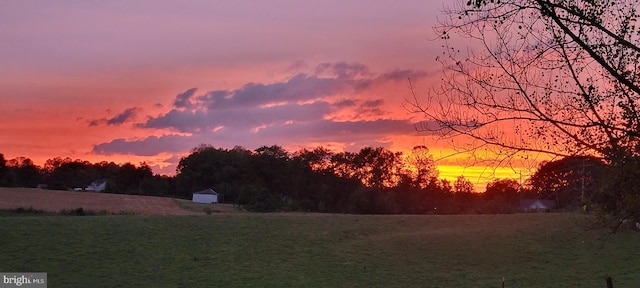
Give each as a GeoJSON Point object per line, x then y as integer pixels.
{"type": "Point", "coordinates": [208, 208]}
{"type": "Point", "coordinates": [316, 250]}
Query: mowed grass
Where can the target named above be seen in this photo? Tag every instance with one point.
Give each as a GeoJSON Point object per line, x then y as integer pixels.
{"type": "Point", "coordinates": [315, 250]}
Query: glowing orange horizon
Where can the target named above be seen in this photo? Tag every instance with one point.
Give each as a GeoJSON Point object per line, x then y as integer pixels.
{"type": "Point", "coordinates": [478, 175]}
{"type": "Point", "coordinates": [62, 128]}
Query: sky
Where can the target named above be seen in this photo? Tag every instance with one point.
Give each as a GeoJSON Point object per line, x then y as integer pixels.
{"type": "Point", "coordinates": [149, 80]}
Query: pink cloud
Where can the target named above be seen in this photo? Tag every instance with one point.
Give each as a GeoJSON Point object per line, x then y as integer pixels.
{"type": "Point", "coordinates": [296, 110]}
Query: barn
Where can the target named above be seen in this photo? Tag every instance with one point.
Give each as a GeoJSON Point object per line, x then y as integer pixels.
{"type": "Point", "coordinates": [205, 196]}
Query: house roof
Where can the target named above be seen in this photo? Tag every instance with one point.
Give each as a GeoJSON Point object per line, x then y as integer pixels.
{"type": "Point", "coordinates": [527, 203]}
{"type": "Point", "coordinates": [99, 181]}
{"type": "Point", "coordinates": [207, 191]}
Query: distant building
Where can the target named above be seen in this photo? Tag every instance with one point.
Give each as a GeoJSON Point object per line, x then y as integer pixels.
{"type": "Point", "coordinates": [98, 185]}
{"type": "Point", "coordinates": [537, 204]}
{"type": "Point", "coordinates": [205, 196]}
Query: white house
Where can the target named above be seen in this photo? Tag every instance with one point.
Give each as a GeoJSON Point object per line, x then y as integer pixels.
{"type": "Point", "coordinates": [205, 196]}
{"type": "Point", "coordinates": [97, 186]}
{"type": "Point", "coordinates": [537, 204]}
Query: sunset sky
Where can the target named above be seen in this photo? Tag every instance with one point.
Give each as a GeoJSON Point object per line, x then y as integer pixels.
{"type": "Point", "coordinates": [134, 81]}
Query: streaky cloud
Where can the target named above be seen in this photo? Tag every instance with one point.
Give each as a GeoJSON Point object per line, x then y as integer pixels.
{"type": "Point", "coordinates": [124, 116]}
{"type": "Point", "coordinates": [95, 122]}
{"type": "Point", "coordinates": [343, 131]}
{"type": "Point", "coordinates": [197, 121]}
{"type": "Point", "coordinates": [301, 87]}
{"type": "Point", "coordinates": [343, 70]}
{"type": "Point", "coordinates": [152, 145]}
{"type": "Point", "coordinates": [345, 103]}
{"type": "Point", "coordinates": [403, 75]}
{"type": "Point", "coordinates": [119, 119]}
{"type": "Point", "coordinates": [358, 132]}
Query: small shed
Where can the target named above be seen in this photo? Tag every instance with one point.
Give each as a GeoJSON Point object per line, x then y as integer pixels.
{"type": "Point", "coordinates": [205, 196]}
{"type": "Point", "coordinates": [537, 204]}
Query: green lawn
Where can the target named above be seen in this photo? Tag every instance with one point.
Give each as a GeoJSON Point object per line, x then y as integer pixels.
{"type": "Point", "coordinates": [297, 250]}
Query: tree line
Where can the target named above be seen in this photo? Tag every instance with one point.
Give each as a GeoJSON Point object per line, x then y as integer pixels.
{"type": "Point", "coordinates": [371, 181]}
{"type": "Point", "coordinates": [68, 174]}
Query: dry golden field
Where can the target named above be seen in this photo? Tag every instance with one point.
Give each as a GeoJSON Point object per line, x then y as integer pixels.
{"type": "Point", "coordinates": [54, 201]}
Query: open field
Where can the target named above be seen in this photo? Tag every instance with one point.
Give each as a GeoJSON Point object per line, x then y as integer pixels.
{"type": "Point", "coordinates": [211, 208]}
{"type": "Point", "coordinates": [54, 201]}
{"type": "Point", "coordinates": [319, 250]}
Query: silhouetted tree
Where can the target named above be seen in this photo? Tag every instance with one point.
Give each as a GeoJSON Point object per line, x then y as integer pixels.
{"type": "Point", "coordinates": [462, 185]}
{"type": "Point", "coordinates": [375, 167]}
{"type": "Point", "coordinates": [204, 168]}
{"type": "Point", "coordinates": [157, 185]}
{"type": "Point", "coordinates": [501, 196]}
{"type": "Point", "coordinates": [616, 193]}
{"type": "Point", "coordinates": [422, 164]}
{"type": "Point", "coordinates": [570, 181]}
{"type": "Point", "coordinates": [66, 174]}
{"type": "Point", "coordinates": [4, 172]}
{"type": "Point", "coordinates": [272, 166]}
{"type": "Point", "coordinates": [22, 172]}
{"type": "Point", "coordinates": [52, 164]}
{"type": "Point", "coordinates": [558, 77]}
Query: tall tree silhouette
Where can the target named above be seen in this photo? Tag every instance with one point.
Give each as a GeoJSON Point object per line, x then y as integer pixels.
{"type": "Point", "coordinates": [558, 77]}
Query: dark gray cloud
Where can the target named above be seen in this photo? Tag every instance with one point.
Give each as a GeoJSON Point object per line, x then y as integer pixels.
{"type": "Point", "coordinates": [373, 103]}
{"type": "Point", "coordinates": [327, 79]}
{"type": "Point", "coordinates": [119, 119]}
{"type": "Point", "coordinates": [344, 70]}
{"type": "Point", "coordinates": [346, 131]}
{"type": "Point", "coordinates": [152, 145]}
{"type": "Point", "coordinates": [318, 131]}
{"type": "Point", "coordinates": [198, 121]}
{"type": "Point", "coordinates": [372, 108]}
{"type": "Point", "coordinates": [345, 103]}
{"type": "Point", "coordinates": [124, 116]}
{"type": "Point", "coordinates": [183, 99]}
{"type": "Point", "coordinates": [294, 111]}
{"type": "Point", "coordinates": [403, 75]}
{"type": "Point", "coordinates": [299, 88]}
